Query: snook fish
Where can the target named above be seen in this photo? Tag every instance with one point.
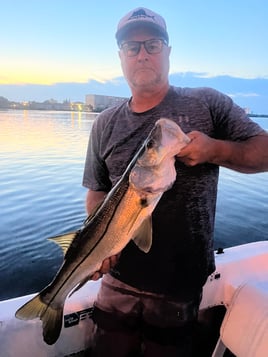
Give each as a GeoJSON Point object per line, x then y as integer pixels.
{"type": "Point", "coordinates": [124, 214]}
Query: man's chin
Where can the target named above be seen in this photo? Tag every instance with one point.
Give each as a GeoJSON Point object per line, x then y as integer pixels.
{"type": "Point", "coordinates": [145, 82]}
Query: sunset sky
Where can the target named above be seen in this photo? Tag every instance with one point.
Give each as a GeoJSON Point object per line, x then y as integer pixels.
{"type": "Point", "coordinates": [56, 42]}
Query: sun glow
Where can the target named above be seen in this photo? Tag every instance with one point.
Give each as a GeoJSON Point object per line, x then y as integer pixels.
{"type": "Point", "coordinates": [37, 76]}
{"type": "Point", "coordinates": [49, 73]}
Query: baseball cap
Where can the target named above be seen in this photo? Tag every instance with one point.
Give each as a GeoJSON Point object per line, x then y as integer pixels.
{"type": "Point", "coordinates": [141, 17]}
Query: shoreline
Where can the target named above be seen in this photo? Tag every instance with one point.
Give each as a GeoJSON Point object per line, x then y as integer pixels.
{"type": "Point", "coordinates": [254, 115]}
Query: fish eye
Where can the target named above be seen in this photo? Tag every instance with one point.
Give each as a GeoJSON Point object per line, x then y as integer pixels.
{"type": "Point", "coordinates": [144, 202]}
{"type": "Point", "coordinates": [150, 144]}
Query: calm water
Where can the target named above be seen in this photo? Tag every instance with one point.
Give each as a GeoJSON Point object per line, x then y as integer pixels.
{"type": "Point", "coordinates": [42, 157]}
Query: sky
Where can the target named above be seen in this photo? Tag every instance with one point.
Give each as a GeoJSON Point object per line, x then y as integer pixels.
{"type": "Point", "coordinates": [65, 49]}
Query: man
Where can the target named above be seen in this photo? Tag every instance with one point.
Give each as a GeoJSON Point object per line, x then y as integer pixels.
{"type": "Point", "coordinates": [149, 302]}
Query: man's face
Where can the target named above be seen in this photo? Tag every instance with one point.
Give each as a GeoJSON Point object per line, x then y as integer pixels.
{"type": "Point", "coordinates": [145, 71]}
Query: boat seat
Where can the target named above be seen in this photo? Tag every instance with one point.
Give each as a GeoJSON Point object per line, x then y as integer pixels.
{"type": "Point", "coordinates": [244, 330]}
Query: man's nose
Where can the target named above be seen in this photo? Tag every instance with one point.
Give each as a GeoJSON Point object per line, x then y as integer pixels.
{"type": "Point", "coordinates": [142, 52]}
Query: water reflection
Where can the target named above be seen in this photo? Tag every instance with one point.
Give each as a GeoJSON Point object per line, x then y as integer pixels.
{"type": "Point", "coordinates": [42, 159]}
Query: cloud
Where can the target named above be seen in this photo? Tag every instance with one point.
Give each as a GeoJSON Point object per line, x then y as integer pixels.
{"type": "Point", "coordinates": [243, 95]}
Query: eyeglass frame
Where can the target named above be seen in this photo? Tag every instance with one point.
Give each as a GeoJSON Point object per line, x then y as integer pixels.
{"type": "Point", "coordinates": [140, 43]}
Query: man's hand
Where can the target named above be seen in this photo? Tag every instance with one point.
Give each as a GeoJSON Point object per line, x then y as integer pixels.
{"type": "Point", "coordinates": [247, 156]}
{"type": "Point", "coordinates": [198, 151]}
{"type": "Point", "coordinates": [107, 265]}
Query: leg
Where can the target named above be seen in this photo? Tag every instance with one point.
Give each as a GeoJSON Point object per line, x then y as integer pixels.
{"type": "Point", "coordinates": [116, 343]}
{"type": "Point", "coordinates": [170, 326]}
{"type": "Point", "coordinates": [155, 350]}
{"type": "Point", "coordinates": [171, 342]}
{"type": "Point", "coordinates": [117, 318]}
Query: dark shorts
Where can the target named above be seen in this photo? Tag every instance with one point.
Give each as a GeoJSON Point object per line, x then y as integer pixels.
{"type": "Point", "coordinates": [122, 309]}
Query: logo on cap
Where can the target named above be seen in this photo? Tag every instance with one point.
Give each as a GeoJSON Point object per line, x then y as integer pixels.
{"type": "Point", "coordinates": [141, 16]}
{"type": "Point", "coordinates": [140, 13]}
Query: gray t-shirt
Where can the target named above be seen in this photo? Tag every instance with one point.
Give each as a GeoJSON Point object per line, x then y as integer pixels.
{"type": "Point", "coordinates": [181, 257]}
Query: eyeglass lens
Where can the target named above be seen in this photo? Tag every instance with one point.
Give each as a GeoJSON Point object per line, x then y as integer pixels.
{"type": "Point", "coordinates": [132, 48]}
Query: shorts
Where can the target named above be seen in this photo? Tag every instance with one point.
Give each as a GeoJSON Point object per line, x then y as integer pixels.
{"type": "Point", "coordinates": [154, 317]}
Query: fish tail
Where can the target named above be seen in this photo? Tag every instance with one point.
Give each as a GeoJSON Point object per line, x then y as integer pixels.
{"type": "Point", "coordinates": [51, 318]}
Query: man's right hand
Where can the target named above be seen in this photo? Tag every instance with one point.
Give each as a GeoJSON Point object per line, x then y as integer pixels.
{"type": "Point", "coordinates": [106, 266]}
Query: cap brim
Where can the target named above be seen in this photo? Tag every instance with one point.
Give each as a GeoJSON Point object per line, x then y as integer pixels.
{"type": "Point", "coordinates": [122, 33]}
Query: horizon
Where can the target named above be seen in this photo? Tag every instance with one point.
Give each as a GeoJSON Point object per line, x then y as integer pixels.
{"type": "Point", "coordinates": [247, 93]}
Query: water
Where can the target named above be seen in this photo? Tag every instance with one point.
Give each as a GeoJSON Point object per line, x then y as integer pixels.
{"type": "Point", "coordinates": [42, 157]}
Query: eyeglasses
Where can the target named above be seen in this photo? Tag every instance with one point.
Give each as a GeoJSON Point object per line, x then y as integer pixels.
{"type": "Point", "coordinates": [132, 48]}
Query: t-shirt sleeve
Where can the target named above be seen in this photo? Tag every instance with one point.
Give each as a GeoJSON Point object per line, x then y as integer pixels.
{"type": "Point", "coordinates": [230, 120]}
{"type": "Point", "coordinates": [96, 176]}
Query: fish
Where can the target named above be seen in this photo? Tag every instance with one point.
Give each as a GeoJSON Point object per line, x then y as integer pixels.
{"type": "Point", "coordinates": [124, 214]}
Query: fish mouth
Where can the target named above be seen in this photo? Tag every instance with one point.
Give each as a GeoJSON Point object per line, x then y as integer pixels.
{"type": "Point", "coordinates": [165, 139]}
{"type": "Point", "coordinates": [152, 147]}
{"type": "Point", "coordinates": [155, 137]}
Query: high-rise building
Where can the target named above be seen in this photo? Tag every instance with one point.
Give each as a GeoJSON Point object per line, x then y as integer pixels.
{"type": "Point", "coordinates": [101, 102]}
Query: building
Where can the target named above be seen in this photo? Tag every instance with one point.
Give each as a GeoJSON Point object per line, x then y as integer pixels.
{"type": "Point", "coordinates": [100, 102]}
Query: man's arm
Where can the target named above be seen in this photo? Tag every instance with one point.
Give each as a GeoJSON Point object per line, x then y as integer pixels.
{"type": "Point", "coordinates": [93, 198]}
{"type": "Point", "coordinates": [249, 156]}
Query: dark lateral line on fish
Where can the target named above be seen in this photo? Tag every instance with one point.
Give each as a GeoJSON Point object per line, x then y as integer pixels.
{"type": "Point", "coordinates": [113, 192]}
{"type": "Point", "coordinates": [86, 256]}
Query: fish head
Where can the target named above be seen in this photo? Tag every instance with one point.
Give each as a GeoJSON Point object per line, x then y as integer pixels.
{"type": "Point", "coordinates": [154, 171]}
{"type": "Point", "coordinates": [165, 140]}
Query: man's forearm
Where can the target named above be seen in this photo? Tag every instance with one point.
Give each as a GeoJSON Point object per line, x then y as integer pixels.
{"type": "Point", "coordinates": [250, 156]}
{"type": "Point", "coordinates": [93, 199]}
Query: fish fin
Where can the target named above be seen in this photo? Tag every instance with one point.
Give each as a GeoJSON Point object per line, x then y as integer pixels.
{"type": "Point", "coordinates": [64, 240]}
{"type": "Point", "coordinates": [51, 318]}
{"type": "Point", "coordinates": [79, 286]}
{"type": "Point", "coordinates": [143, 235]}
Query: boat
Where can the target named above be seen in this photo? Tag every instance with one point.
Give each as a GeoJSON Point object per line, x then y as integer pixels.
{"type": "Point", "coordinates": [233, 312]}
